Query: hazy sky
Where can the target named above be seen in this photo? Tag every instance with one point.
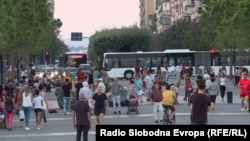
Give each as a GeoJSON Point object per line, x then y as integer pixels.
{"type": "Point", "coordinates": [89, 16]}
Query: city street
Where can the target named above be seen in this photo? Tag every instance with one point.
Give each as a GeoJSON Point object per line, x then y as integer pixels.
{"type": "Point", "coordinates": [60, 126]}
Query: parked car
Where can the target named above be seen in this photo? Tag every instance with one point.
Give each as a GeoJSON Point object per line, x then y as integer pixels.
{"type": "Point", "coordinates": [71, 70]}
{"type": "Point", "coordinates": [85, 68]}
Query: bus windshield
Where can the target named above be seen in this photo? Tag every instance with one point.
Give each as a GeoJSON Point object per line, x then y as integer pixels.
{"type": "Point", "coordinates": [72, 59]}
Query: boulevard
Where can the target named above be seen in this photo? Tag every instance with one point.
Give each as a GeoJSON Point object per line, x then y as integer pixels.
{"type": "Point", "coordinates": [60, 126]}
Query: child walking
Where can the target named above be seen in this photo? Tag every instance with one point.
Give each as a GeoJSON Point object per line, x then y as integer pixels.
{"type": "Point", "coordinates": [21, 116]}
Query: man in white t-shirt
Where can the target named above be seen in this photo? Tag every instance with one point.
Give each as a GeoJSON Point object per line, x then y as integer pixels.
{"type": "Point", "coordinates": [100, 83]}
{"type": "Point", "coordinates": [148, 84]}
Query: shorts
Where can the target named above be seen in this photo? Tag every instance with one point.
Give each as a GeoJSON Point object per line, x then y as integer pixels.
{"type": "Point", "coordinates": [97, 112]}
{"type": "Point", "coordinates": [243, 96]}
{"type": "Point", "coordinates": [38, 110]}
{"type": "Point", "coordinates": [148, 90]}
{"type": "Point", "coordinates": [171, 107]}
{"type": "Point", "coordinates": [140, 92]}
{"type": "Point", "coordinates": [212, 98]}
{"type": "Point", "coordinates": [1, 117]}
{"type": "Point", "coordinates": [9, 116]}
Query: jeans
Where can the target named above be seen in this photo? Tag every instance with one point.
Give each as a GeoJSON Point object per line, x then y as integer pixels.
{"type": "Point", "coordinates": [158, 111]}
{"type": "Point", "coordinates": [116, 99]}
{"type": "Point", "coordinates": [66, 104]}
{"type": "Point", "coordinates": [44, 116]}
{"type": "Point", "coordinates": [222, 91]}
{"type": "Point", "coordinates": [196, 123]}
{"type": "Point", "coordinates": [27, 111]}
{"type": "Point", "coordinates": [82, 129]}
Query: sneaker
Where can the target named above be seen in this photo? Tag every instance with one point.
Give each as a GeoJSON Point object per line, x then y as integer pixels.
{"type": "Point", "coordinates": [119, 112]}
{"type": "Point", "coordinates": [114, 112]}
{"type": "Point", "coordinates": [68, 113]}
{"type": "Point", "coordinates": [27, 128]}
{"type": "Point", "coordinates": [38, 128]}
{"type": "Point", "coordinates": [156, 121]}
{"type": "Point", "coordinates": [9, 129]}
{"type": "Point", "coordinates": [160, 120]}
{"type": "Point", "coordinates": [242, 109]}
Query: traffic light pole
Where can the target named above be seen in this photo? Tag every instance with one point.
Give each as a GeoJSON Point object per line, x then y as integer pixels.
{"type": "Point", "coordinates": [213, 64]}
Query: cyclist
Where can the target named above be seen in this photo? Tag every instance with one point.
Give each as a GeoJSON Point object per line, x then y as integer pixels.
{"type": "Point", "coordinates": [168, 99]}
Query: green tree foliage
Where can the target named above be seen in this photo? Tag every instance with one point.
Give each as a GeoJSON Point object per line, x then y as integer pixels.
{"type": "Point", "coordinates": [126, 39]}
{"type": "Point", "coordinates": [183, 35]}
{"type": "Point", "coordinates": [153, 23]}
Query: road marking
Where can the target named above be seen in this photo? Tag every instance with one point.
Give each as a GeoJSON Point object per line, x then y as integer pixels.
{"type": "Point", "coordinates": [143, 115]}
{"type": "Point", "coordinates": [42, 134]}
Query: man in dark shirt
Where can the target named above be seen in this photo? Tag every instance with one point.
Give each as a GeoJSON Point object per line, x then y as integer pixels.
{"type": "Point", "coordinates": [78, 86]}
{"type": "Point", "coordinates": [200, 105]}
{"type": "Point", "coordinates": [100, 103]}
{"type": "Point", "coordinates": [81, 118]}
{"type": "Point", "coordinates": [67, 96]}
{"type": "Point", "coordinates": [9, 87]}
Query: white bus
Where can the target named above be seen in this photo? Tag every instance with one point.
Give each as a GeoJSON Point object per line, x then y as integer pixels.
{"type": "Point", "coordinates": [122, 64]}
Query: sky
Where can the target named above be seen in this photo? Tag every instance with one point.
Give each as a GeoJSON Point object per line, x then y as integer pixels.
{"type": "Point", "coordinates": [89, 16]}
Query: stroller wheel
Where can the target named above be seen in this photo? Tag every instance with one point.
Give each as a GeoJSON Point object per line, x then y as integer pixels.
{"type": "Point", "coordinates": [137, 111]}
{"type": "Point", "coordinates": [128, 112]}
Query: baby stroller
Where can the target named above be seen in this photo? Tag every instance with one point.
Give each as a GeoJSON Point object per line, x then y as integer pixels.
{"type": "Point", "coordinates": [133, 104]}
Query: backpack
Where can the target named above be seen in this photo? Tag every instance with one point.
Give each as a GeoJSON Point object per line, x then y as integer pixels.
{"type": "Point", "coordinates": [189, 88]}
{"type": "Point", "coordinates": [9, 105]}
{"type": "Point", "coordinates": [1, 111]}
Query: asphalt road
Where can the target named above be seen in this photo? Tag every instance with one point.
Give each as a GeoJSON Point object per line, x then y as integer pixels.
{"type": "Point", "coordinates": [60, 125]}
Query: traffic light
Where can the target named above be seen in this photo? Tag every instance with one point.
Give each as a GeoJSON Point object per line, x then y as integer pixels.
{"type": "Point", "coordinates": [47, 53]}
{"type": "Point", "coordinates": [212, 51]}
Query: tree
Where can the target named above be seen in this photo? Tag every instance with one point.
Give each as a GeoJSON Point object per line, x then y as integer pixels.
{"type": "Point", "coordinates": [126, 39]}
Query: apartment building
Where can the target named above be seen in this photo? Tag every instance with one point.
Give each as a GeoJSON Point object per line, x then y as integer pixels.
{"type": "Point", "coordinates": [168, 12]}
{"type": "Point", "coordinates": [51, 5]}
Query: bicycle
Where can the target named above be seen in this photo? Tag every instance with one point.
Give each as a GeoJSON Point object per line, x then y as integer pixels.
{"type": "Point", "coordinates": [166, 117]}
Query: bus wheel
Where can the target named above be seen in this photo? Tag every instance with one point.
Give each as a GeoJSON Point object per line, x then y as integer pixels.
{"type": "Point", "coordinates": [128, 75]}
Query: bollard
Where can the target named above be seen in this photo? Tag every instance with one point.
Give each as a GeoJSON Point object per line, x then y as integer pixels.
{"type": "Point", "coordinates": [229, 97]}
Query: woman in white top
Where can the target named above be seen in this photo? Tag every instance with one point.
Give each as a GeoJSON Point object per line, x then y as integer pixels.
{"type": "Point", "coordinates": [26, 102]}
{"type": "Point", "coordinates": [38, 106]}
{"type": "Point", "coordinates": [45, 104]}
{"type": "Point", "coordinates": [222, 83]}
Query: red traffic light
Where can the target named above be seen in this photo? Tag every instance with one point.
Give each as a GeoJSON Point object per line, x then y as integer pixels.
{"type": "Point", "coordinates": [212, 51]}
{"type": "Point", "coordinates": [47, 53]}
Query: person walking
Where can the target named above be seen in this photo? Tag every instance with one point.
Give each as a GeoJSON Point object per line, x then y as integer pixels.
{"type": "Point", "coordinates": [9, 108]}
{"type": "Point", "coordinates": [78, 86]}
{"type": "Point", "coordinates": [100, 103]}
{"type": "Point", "coordinates": [26, 102]}
{"type": "Point", "coordinates": [213, 91]}
{"type": "Point", "coordinates": [222, 83]}
{"type": "Point", "coordinates": [45, 104]}
{"type": "Point", "coordinates": [244, 86]}
{"type": "Point", "coordinates": [156, 101]}
{"type": "Point", "coordinates": [67, 96]}
{"type": "Point", "coordinates": [200, 104]}
{"type": "Point", "coordinates": [139, 87]}
{"type": "Point", "coordinates": [38, 106]}
{"type": "Point", "coordinates": [116, 93]}
{"type": "Point", "coordinates": [81, 118]}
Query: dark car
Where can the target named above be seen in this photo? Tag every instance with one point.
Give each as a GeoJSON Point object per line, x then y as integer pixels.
{"type": "Point", "coordinates": [123, 98]}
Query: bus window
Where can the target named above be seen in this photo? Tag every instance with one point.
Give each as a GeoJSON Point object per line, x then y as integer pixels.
{"type": "Point", "coordinates": [128, 62]}
{"type": "Point", "coordinates": [171, 62]}
{"type": "Point", "coordinates": [156, 61]}
{"type": "Point", "coordinates": [183, 60]}
{"type": "Point", "coordinates": [165, 61]}
{"type": "Point", "coordinates": [144, 62]}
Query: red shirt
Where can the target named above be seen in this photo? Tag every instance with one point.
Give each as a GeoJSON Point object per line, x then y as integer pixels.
{"type": "Point", "coordinates": [245, 84]}
{"type": "Point", "coordinates": [80, 75]}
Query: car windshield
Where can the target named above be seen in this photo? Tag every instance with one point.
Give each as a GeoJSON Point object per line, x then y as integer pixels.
{"type": "Point", "coordinates": [84, 67]}
{"type": "Point", "coordinates": [70, 69]}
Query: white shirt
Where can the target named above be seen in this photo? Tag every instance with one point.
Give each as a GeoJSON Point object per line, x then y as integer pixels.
{"type": "Point", "coordinates": [103, 87]}
{"type": "Point", "coordinates": [38, 102]}
{"type": "Point", "coordinates": [27, 100]}
{"type": "Point", "coordinates": [149, 81]}
{"type": "Point", "coordinates": [86, 91]}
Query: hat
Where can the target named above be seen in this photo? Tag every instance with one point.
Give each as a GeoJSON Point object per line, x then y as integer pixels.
{"type": "Point", "coordinates": [100, 79]}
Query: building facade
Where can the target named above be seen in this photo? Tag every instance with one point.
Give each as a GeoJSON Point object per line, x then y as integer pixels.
{"type": "Point", "coordinates": [51, 5]}
{"type": "Point", "coordinates": [168, 12]}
